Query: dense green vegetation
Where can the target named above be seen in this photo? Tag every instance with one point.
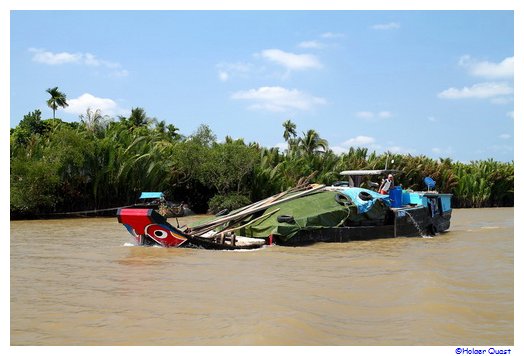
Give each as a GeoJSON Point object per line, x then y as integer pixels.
{"type": "Point", "coordinates": [99, 163]}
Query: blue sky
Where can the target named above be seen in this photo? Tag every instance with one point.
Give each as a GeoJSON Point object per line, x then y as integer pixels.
{"type": "Point", "coordinates": [437, 83]}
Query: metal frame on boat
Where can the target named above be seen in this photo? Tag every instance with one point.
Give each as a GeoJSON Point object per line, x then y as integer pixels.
{"type": "Point", "coordinates": [158, 202]}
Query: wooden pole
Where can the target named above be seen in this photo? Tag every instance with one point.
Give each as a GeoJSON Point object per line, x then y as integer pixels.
{"type": "Point", "coordinates": [201, 229]}
{"type": "Point", "coordinates": [252, 221]}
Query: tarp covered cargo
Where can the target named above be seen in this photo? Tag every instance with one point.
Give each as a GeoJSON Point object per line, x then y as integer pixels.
{"type": "Point", "coordinates": [364, 199]}
{"type": "Point", "coordinates": [321, 210]}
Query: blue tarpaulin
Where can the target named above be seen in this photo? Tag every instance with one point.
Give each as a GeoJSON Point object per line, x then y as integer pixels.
{"type": "Point", "coordinates": [150, 195]}
{"type": "Point", "coordinates": [363, 206]}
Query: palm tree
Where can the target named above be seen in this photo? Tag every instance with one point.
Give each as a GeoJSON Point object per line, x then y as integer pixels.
{"type": "Point", "coordinates": [57, 99]}
{"type": "Point", "coordinates": [289, 129]}
{"type": "Point", "coordinates": [172, 132]}
{"type": "Point", "coordinates": [94, 121]}
{"type": "Point", "coordinates": [139, 118]}
{"type": "Point", "coordinates": [312, 143]}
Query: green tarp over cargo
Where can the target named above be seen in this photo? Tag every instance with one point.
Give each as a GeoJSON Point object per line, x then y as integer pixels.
{"type": "Point", "coordinates": [314, 211]}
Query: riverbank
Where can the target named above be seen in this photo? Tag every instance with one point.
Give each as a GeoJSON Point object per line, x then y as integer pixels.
{"type": "Point", "coordinates": [62, 167]}
{"type": "Point", "coordinates": [106, 213]}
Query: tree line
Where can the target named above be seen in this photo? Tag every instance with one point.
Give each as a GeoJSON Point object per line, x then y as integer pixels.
{"type": "Point", "coordinates": [100, 162]}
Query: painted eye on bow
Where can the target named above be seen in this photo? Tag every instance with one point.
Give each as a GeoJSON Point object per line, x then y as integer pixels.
{"type": "Point", "coordinates": [161, 234]}
{"type": "Point", "coordinates": [157, 232]}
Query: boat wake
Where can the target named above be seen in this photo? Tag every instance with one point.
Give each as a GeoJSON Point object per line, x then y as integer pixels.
{"type": "Point", "coordinates": [130, 244]}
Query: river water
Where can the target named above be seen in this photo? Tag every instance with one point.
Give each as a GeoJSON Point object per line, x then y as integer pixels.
{"type": "Point", "coordinates": [81, 282]}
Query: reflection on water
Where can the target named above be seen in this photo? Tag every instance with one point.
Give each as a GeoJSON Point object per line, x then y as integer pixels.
{"type": "Point", "coordinates": [81, 282]}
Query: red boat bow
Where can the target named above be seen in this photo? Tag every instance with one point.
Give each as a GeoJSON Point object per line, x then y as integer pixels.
{"type": "Point", "coordinates": [143, 223]}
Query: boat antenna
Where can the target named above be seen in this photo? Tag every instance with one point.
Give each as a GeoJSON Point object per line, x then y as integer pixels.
{"type": "Point", "coordinates": [387, 158]}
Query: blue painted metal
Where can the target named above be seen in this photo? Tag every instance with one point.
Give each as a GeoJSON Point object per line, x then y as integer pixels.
{"type": "Point", "coordinates": [429, 182]}
{"type": "Point", "coordinates": [411, 198]}
{"type": "Point", "coordinates": [149, 195]}
{"type": "Point", "coordinates": [415, 198]}
{"type": "Point", "coordinates": [445, 199]}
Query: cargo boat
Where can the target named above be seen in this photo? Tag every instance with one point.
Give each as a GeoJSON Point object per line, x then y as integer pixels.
{"type": "Point", "coordinates": [306, 214]}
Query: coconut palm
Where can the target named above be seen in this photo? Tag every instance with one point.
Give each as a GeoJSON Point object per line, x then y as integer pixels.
{"type": "Point", "coordinates": [58, 99]}
{"type": "Point", "coordinates": [68, 167]}
{"type": "Point", "coordinates": [290, 129]}
{"type": "Point", "coordinates": [138, 118]}
{"type": "Point", "coordinates": [312, 143]}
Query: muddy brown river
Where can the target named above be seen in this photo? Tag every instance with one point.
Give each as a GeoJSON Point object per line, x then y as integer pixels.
{"type": "Point", "coordinates": [82, 282]}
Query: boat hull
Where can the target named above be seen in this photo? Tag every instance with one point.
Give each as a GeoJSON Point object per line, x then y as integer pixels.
{"type": "Point", "coordinates": [407, 222]}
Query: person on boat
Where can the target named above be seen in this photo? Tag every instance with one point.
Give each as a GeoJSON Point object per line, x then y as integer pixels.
{"type": "Point", "coordinates": [387, 185]}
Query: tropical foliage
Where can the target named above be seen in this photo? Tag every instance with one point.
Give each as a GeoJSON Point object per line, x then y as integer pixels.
{"type": "Point", "coordinates": [100, 162]}
{"type": "Point", "coordinates": [58, 99]}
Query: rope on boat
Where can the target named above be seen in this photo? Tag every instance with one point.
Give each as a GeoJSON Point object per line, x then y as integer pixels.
{"type": "Point", "coordinates": [92, 211]}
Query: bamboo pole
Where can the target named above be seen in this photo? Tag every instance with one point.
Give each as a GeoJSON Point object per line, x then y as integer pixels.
{"type": "Point", "coordinates": [252, 221]}
{"type": "Point", "coordinates": [201, 229]}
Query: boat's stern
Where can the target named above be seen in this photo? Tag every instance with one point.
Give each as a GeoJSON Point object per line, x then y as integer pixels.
{"type": "Point", "coordinates": [435, 215]}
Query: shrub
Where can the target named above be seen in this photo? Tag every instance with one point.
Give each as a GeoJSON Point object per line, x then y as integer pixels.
{"type": "Point", "coordinates": [230, 201]}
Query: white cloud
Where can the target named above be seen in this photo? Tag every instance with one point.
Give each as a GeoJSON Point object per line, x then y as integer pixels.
{"type": "Point", "coordinates": [486, 69]}
{"type": "Point", "coordinates": [371, 143]}
{"type": "Point", "coordinates": [365, 114]}
{"type": "Point", "coordinates": [332, 35]}
{"type": "Point", "coordinates": [510, 114]}
{"type": "Point", "coordinates": [360, 141]}
{"type": "Point", "coordinates": [87, 59]}
{"type": "Point", "coordinates": [120, 73]}
{"type": "Point", "coordinates": [292, 61]}
{"type": "Point", "coordinates": [83, 102]}
{"type": "Point", "coordinates": [497, 92]}
{"type": "Point", "coordinates": [278, 99]}
{"type": "Point", "coordinates": [502, 100]}
{"type": "Point", "coordinates": [226, 71]}
{"type": "Point", "coordinates": [401, 150]}
{"type": "Point", "coordinates": [50, 58]}
{"type": "Point", "coordinates": [339, 150]}
{"type": "Point", "coordinates": [386, 26]}
{"type": "Point", "coordinates": [438, 150]}
{"type": "Point", "coordinates": [311, 44]}
{"type": "Point", "coordinates": [432, 119]}
{"type": "Point", "coordinates": [223, 75]}
{"type": "Point", "coordinates": [500, 148]}
{"type": "Point", "coordinates": [92, 61]}
{"type": "Point", "coordinates": [282, 146]}
{"type": "Point", "coordinates": [505, 136]}
{"type": "Point", "coordinates": [481, 91]}
{"type": "Point", "coordinates": [327, 39]}
{"type": "Point", "coordinates": [369, 115]}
